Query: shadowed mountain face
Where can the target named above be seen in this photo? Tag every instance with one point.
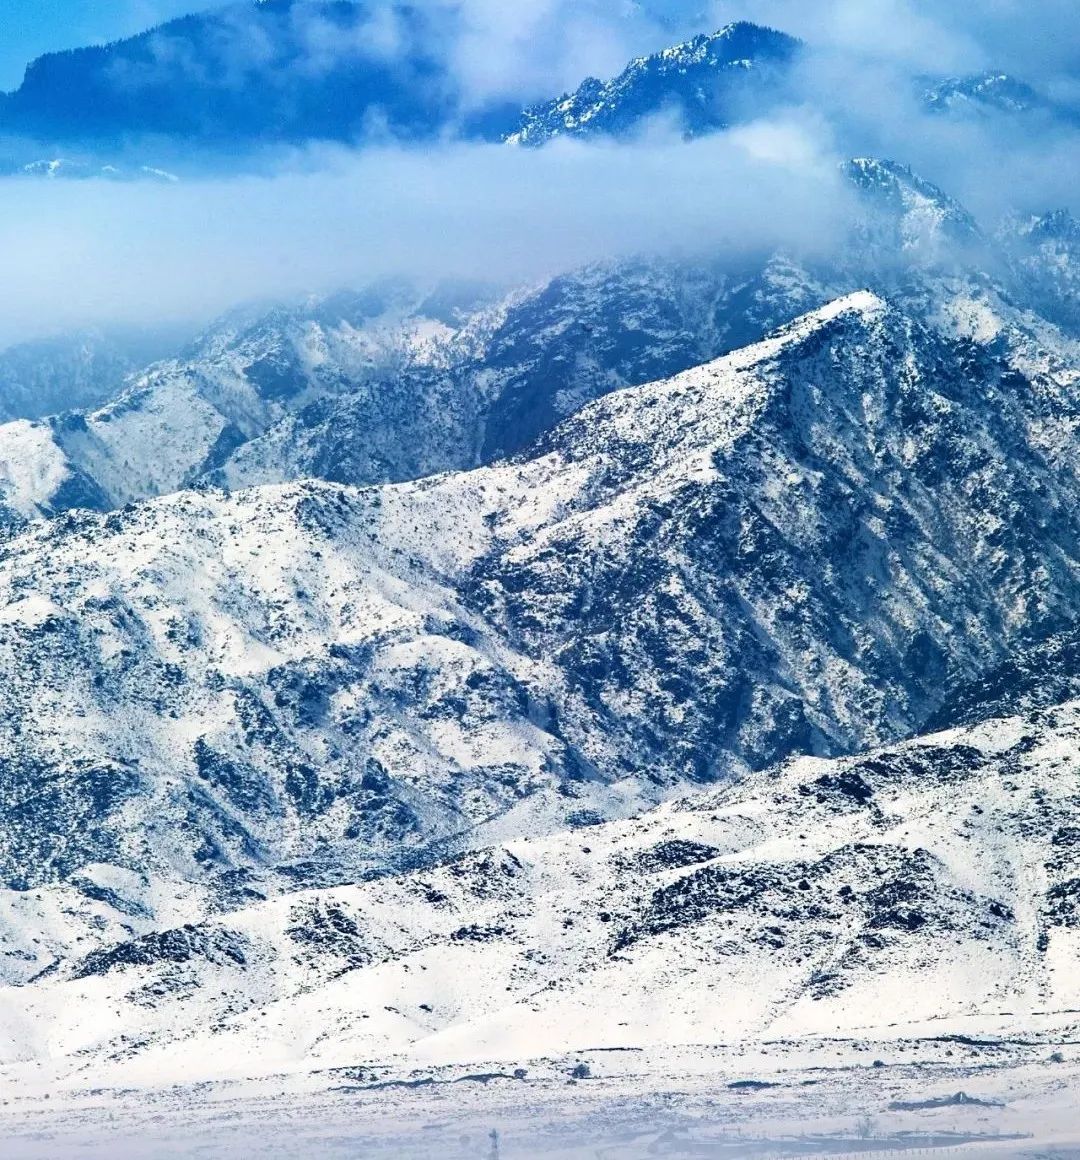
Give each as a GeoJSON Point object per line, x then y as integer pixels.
{"type": "Point", "coordinates": [79, 370]}
{"type": "Point", "coordinates": [277, 71]}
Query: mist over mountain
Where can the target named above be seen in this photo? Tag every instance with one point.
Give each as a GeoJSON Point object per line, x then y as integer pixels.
{"type": "Point", "coordinates": [312, 142]}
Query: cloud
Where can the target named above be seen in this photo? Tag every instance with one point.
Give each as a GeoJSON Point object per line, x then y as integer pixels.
{"type": "Point", "coordinates": [94, 252]}
{"type": "Point", "coordinates": [952, 35]}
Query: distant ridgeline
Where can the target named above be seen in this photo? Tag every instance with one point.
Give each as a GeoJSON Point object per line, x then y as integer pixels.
{"type": "Point", "coordinates": [287, 71]}
{"type": "Point", "coordinates": [277, 71]}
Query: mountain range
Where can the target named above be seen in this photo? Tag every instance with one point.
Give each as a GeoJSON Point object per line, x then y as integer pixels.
{"type": "Point", "coordinates": [402, 380]}
{"type": "Point", "coordinates": [677, 652]}
{"type": "Point", "coordinates": [244, 77]}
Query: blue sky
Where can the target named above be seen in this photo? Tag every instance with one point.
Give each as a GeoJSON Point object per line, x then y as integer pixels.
{"type": "Point", "coordinates": [29, 28]}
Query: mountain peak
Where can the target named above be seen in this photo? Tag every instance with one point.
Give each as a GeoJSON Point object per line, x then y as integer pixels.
{"type": "Point", "coordinates": [1057, 226]}
{"type": "Point", "coordinates": [984, 92]}
{"type": "Point", "coordinates": [863, 303]}
{"type": "Point", "coordinates": [707, 82]}
{"type": "Point", "coordinates": [741, 36]}
{"type": "Point", "coordinates": [924, 214]}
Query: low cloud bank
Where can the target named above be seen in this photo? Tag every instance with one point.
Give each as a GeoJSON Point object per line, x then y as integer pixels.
{"type": "Point", "coordinates": [92, 253]}
{"type": "Point", "coordinates": [89, 252]}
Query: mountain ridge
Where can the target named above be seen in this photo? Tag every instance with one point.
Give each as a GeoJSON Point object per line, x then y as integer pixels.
{"type": "Point", "coordinates": [704, 83]}
{"type": "Point", "coordinates": [115, 100]}
{"type": "Point", "coordinates": [650, 601]}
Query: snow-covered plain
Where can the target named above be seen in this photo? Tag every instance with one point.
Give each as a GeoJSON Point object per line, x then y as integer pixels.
{"type": "Point", "coordinates": [819, 1100]}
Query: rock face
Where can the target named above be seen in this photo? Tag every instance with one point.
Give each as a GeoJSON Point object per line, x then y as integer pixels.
{"type": "Point", "coordinates": [706, 84]}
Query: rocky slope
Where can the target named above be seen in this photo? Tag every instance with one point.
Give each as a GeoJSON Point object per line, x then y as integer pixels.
{"type": "Point", "coordinates": [929, 885]}
{"type": "Point", "coordinates": [792, 549]}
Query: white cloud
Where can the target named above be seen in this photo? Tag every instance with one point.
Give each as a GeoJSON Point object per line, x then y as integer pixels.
{"type": "Point", "coordinates": [93, 252]}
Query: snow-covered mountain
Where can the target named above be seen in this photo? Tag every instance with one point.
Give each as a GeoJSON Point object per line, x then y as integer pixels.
{"type": "Point", "coordinates": [704, 85]}
{"type": "Point", "coordinates": [924, 886]}
{"type": "Point", "coordinates": [677, 653]}
{"type": "Point", "coordinates": [793, 549]}
{"type": "Point", "coordinates": [992, 92]}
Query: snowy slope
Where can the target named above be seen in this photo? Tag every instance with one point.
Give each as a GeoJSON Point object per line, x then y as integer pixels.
{"type": "Point", "coordinates": [792, 549]}
{"type": "Point", "coordinates": [933, 882]}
